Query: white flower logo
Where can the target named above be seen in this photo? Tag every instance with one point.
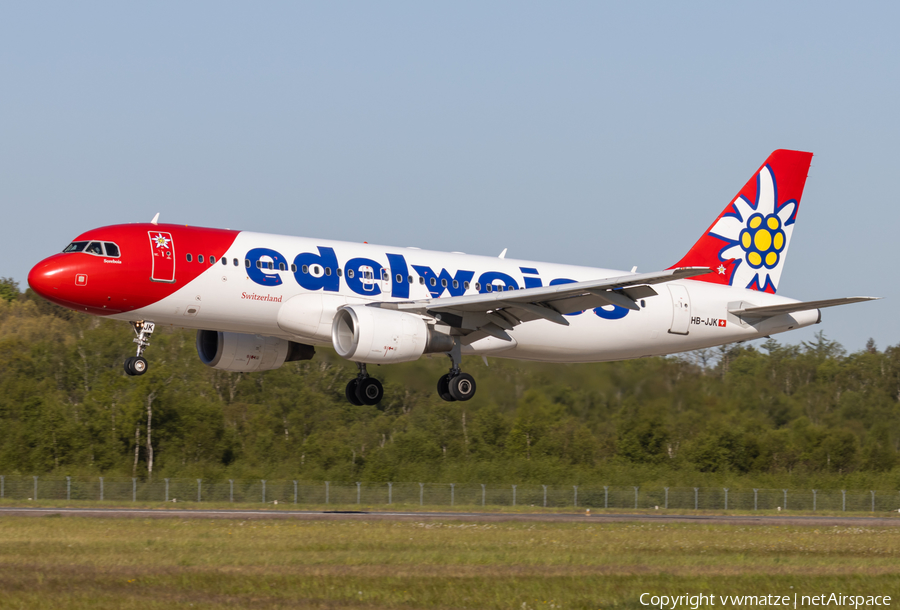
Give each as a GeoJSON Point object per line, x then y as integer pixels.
{"type": "Point", "coordinates": [757, 234]}
{"type": "Point", "coordinates": [161, 241]}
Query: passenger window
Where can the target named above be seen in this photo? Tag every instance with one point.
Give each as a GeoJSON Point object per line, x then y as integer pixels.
{"type": "Point", "coordinates": [258, 264]}
{"type": "Point", "coordinates": [489, 287]}
{"type": "Point", "coordinates": [478, 286]}
{"type": "Point", "coordinates": [281, 267]}
{"type": "Point", "coordinates": [315, 270]}
{"type": "Point", "coordinates": [327, 270]}
{"type": "Point", "coordinates": [421, 280]}
{"type": "Point", "coordinates": [409, 279]}
{"type": "Point", "coordinates": [339, 272]}
{"type": "Point", "coordinates": [350, 273]}
{"type": "Point", "coordinates": [293, 268]}
{"type": "Point", "coordinates": [189, 257]}
{"type": "Point", "coordinates": [444, 283]}
{"type": "Point", "coordinates": [455, 284]}
{"type": "Point", "coordinates": [212, 260]}
{"type": "Point", "coordinates": [199, 258]}
{"type": "Point", "coordinates": [235, 262]}
{"type": "Point", "coordinates": [111, 250]}
{"type": "Point", "coordinates": [76, 246]}
{"type": "Point", "coordinates": [466, 285]}
{"type": "Point", "coordinates": [433, 282]}
{"type": "Point", "coordinates": [271, 265]}
{"type": "Point", "coordinates": [399, 278]}
{"type": "Point", "coordinates": [247, 263]}
{"type": "Point", "coordinates": [225, 261]}
{"type": "Point", "coordinates": [305, 268]}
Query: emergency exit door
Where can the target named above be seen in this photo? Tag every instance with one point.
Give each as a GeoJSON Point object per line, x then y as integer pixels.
{"type": "Point", "coordinates": [681, 310]}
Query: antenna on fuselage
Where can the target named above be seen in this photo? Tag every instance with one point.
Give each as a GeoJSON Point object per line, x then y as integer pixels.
{"type": "Point", "coordinates": [503, 254]}
{"type": "Point", "coordinates": [155, 220]}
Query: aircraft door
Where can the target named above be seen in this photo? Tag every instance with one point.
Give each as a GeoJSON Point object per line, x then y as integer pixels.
{"type": "Point", "coordinates": [162, 249]}
{"type": "Point", "coordinates": [681, 310]}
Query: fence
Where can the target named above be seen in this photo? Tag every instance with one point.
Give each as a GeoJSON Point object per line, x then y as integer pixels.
{"type": "Point", "coordinates": [439, 494]}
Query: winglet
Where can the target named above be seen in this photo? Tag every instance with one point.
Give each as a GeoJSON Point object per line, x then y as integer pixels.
{"type": "Point", "coordinates": [155, 220]}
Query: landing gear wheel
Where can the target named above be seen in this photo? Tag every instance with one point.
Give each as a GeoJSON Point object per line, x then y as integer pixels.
{"type": "Point", "coordinates": [350, 393]}
{"type": "Point", "coordinates": [139, 365]}
{"type": "Point", "coordinates": [129, 370]}
{"type": "Point", "coordinates": [462, 387]}
{"type": "Point", "coordinates": [369, 391]}
{"type": "Point", "coordinates": [443, 388]}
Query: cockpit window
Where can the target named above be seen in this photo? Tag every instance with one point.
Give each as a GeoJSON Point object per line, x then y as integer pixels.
{"type": "Point", "coordinates": [96, 248]}
{"type": "Point", "coordinates": [75, 246]}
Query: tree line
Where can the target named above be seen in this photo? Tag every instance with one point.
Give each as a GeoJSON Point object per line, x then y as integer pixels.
{"type": "Point", "coordinates": [762, 416]}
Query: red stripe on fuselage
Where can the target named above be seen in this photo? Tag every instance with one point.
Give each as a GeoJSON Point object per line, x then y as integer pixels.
{"type": "Point", "coordinates": [116, 285]}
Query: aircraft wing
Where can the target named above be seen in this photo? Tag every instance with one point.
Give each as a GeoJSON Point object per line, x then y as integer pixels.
{"type": "Point", "coordinates": [768, 311]}
{"type": "Point", "coordinates": [493, 313]}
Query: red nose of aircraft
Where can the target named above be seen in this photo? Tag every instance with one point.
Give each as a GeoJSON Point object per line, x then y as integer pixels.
{"type": "Point", "coordinates": [66, 280]}
{"type": "Point", "coordinates": [45, 278]}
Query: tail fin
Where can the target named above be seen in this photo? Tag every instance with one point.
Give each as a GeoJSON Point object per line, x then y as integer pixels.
{"type": "Point", "coordinates": [748, 242]}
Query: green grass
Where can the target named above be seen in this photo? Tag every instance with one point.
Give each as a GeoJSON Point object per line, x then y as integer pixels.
{"type": "Point", "coordinates": [72, 562]}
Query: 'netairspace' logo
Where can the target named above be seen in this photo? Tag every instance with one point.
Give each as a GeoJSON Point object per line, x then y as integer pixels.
{"type": "Point", "coordinates": [671, 602]}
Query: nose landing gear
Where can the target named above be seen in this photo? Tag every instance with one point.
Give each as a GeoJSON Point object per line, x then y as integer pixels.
{"type": "Point", "coordinates": [137, 365]}
{"type": "Point", "coordinates": [456, 385]}
{"type": "Point", "coordinates": [364, 390]}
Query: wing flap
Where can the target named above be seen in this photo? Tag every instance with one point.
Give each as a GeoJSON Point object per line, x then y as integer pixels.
{"type": "Point", "coordinates": [494, 313]}
{"type": "Point", "coordinates": [488, 301]}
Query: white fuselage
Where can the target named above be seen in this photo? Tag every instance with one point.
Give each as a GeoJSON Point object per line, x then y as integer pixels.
{"type": "Point", "coordinates": [684, 315]}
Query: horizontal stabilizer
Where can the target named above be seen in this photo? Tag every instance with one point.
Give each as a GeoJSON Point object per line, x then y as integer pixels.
{"type": "Point", "coordinates": [769, 311]}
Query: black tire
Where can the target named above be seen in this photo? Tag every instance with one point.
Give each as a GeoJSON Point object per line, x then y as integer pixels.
{"type": "Point", "coordinates": [369, 391]}
{"type": "Point", "coordinates": [129, 370]}
{"type": "Point", "coordinates": [462, 387]}
{"type": "Point", "coordinates": [350, 393]}
{"type": "Point", "coordinates": [139, 365]}
{"type": "Point", "coordinates": [443, 388]}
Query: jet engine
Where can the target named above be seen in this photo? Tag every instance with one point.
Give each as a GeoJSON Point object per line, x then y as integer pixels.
{"type": "Point", "coordinates": [243, 353]}
{"type": "Point", "coordinates": [379, 336]}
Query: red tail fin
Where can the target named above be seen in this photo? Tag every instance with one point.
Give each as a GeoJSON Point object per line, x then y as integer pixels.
{"type": "Point", "coordinates": [748, 242]}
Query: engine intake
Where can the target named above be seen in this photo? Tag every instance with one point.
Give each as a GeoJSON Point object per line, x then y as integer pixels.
{"type": "Point", "coordinates": [378, 336]}
{"type": "Point", "coordinates": [243, 353]}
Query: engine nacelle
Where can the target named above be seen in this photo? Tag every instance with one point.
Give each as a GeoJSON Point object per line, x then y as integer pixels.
{"type": "Point", "coordinates": [242, 353]}
{"type": "Point", "coordinates": [379, 336]}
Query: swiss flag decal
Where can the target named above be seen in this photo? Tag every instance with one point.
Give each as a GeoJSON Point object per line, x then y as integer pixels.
{"type": "Point", "coordinates": [721, 323]}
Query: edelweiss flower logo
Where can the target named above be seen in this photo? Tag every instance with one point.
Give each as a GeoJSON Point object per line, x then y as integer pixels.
{"type": "Point", "coordinates": [757, 234]}
{"type": "Point", "coordinates": [161, 241]}
{"type": "Point", "coordinates": [763, 241]}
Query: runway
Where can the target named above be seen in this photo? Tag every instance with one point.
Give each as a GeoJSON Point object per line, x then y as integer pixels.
{"type": "Point", "coordinates": [166, 513]}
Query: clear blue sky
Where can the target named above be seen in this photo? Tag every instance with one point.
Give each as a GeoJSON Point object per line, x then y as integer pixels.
{"type": "Point", "coordinates": [587, 133]}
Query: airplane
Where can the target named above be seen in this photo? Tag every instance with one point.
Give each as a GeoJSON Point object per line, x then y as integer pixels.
{"type": "Point", "coordinates": [259, 300]}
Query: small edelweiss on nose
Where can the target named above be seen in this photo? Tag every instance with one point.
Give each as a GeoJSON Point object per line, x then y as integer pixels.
{"type": "Point", "coordinates": [161, 241]}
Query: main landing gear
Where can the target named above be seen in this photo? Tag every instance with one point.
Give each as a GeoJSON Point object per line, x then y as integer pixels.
{"type": "Point", "coordinates": [456, 385]}
{"type": "Point", "coordinates": [364, 390]}
{"type": "Point", "coordinates": [137, 365]}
